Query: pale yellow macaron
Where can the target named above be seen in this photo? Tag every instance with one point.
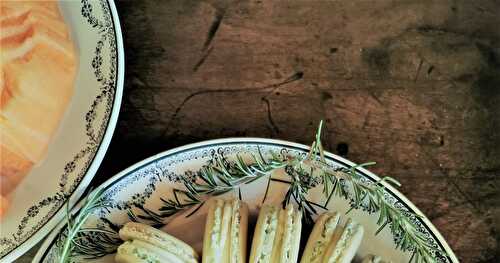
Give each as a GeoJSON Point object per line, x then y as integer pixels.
{"type": "Point", "coordinates": [277, 235]}
{"type": "Point", "coordinates": [225, 238]}
{"type": "Point", "coordinates": [144, 243]}
{"type": "Point", "coordinates": [331, 243]}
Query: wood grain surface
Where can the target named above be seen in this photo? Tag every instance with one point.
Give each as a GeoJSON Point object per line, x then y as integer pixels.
{"type": "Point", "coordinates": [412, 85]}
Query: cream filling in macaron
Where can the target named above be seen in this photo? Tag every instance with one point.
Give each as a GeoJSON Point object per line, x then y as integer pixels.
{"type": "Point", "coordinates": [235, 232]}
{"type": "Point", "coordinates": [290, 238]}
{"type": "Point", "coordinates": [264, 240]}
{"type": "Point", "coordinates": [277, 235]}
{"type": "Point", "coordinates": [223, 230]}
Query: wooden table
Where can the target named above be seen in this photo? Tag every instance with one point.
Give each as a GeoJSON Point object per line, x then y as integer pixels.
{"type": "Point", "coordinates": [412, 85]}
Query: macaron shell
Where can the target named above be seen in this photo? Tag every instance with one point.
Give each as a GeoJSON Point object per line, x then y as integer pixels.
{"type": "Point", "coordinates": [277, 235]}
{"type": "Point", "coordinates": [320, 234]}
{"type": "Point", "coordinates": [141, 232]}
{"type": "Point", "coordinates": [290, 225]}
{"type": "Point", "coordinates": [209, 225]}
{"type": "Point", "coordinates": [296, 235]}
{"type": "Point", "coordinates": [277, 242]}
{"type": "Point", "coordinates": [223, 244]}
{"type": "Point", "coordinates": [216, 221]}
{"type": "Point", "coordinates": [137, 251]}
{"type": "Point", "coordinates": [122, 258]}
{"type": "Point", "coordinates": [226, 220]}
{"type": "Point", "coordinates": [344, 244]}
{"type": "Point", "coordinates": [268, 218]}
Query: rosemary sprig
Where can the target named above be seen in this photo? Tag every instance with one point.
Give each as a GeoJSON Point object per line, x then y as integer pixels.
{"type": "Point", "coordinates": [373, 195]}
{"type": "Point", "coordinates": [92, 243]}
{"type": "Point", "coordinates": [74, 225]}
{"type": "Point", "coordinates": [221, 176]}
{"type": "Point", "coordinates": [182, 200]}
{"type": "Point", "coordinates": [347, 184]}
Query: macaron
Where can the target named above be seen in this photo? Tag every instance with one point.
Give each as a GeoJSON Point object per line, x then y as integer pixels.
{"type": "Point", "coordinates": [277, 235]}
{"type": "Point", "coordinates": [225, 238]}
{"type": "Point", "coordinates": [144, 243]}
{"type": "Point", "coordinates": [330, 242]}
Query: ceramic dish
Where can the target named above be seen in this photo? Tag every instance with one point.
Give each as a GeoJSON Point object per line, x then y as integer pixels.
{"type": "Point", "coordinates": [145, 192]}
{"type": "Point", "coordinates": [84, 133]}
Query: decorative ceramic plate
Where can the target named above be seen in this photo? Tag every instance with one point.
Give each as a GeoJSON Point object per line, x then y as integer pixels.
{"type": "Point", "coordinates": [154, 192]}
{"type": "Point", "coordinates": [84, 134]}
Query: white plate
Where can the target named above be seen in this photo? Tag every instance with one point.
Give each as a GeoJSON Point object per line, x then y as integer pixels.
{"type": "Point", "coordinates": [83, 136]}
{"type": "Point", "coordinates": [144, 184]}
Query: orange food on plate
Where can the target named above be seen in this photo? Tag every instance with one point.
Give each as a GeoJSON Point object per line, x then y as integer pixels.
{"type": "Point", "coordinates": [37, 71]}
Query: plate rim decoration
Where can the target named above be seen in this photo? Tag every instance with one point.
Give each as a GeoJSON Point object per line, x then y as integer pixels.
{"type": "Point", "coordinates": [441, 242]}
{"type": "Point", "coordinates": [105, 132]}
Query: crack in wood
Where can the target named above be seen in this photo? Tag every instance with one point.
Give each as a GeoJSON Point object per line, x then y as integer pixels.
{"type": "Point", "coordinates": [465, 196]}
{"type": "Point", "coordinates": [418, 70]}
{"type": "Point", "coordinates": [274, 128]}
{"type": "Point", "coordinates": [202, 59]}
{"type": "Point", "coordinates": [219, 15]}
{"type": "Point", "coordinates": [376, 98]}
{"type": "Point", "coordinates": [272, 87]}
{"type": "Point", "coordinates": [214, 27]}
{"type": "Point", "coordinates": [297, 76]}
{"type": "Point", "coordinates": [429, 71]}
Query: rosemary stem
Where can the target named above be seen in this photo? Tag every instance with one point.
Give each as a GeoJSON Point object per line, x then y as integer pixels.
{"type": "Point", "coordinates": [71, 235]}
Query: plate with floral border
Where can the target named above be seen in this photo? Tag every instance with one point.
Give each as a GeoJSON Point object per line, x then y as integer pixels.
{"type": "Point", "coordinates": [169, 190]}
{"type": "Point", "coordinates": [78, 147]}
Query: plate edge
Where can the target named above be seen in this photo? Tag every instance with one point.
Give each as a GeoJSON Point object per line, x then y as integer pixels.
{"type": "Point", "coordinates": [54, 221]}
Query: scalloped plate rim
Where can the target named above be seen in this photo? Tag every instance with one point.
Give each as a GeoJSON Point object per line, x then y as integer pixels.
{"type": "Point", "coordinates": [49, 240]}
{"type": "Point", "coordinates": [54, 221]}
